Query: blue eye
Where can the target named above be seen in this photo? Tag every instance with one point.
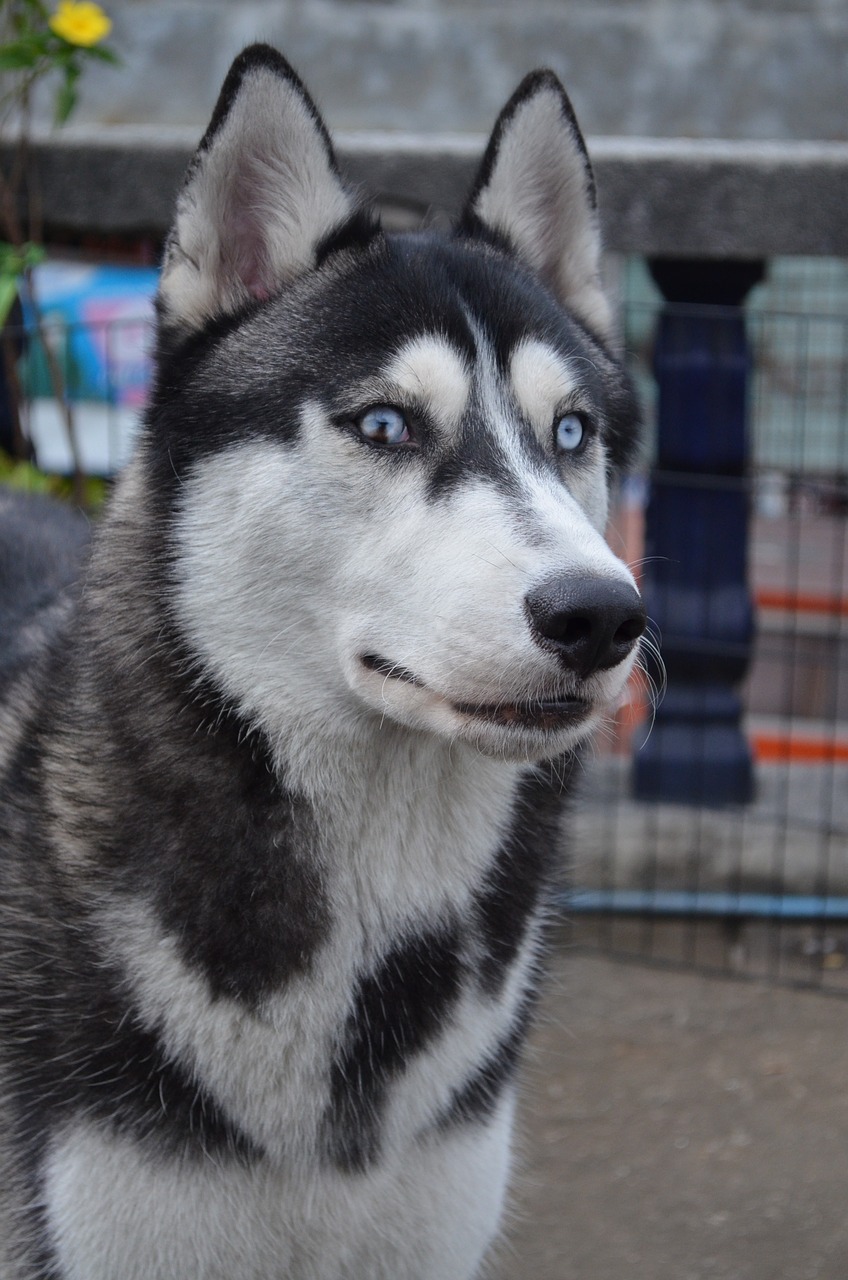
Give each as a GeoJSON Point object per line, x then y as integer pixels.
{"type": "Point", "coordinates": [570, 433]}
{"type": "Point", "coordinates": [383, 425]}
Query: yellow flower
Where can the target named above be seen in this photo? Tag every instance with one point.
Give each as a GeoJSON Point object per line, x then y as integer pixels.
{"type": "Point", "coordinates": [80, 22]}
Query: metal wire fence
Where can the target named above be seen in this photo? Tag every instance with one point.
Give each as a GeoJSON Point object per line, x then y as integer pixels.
{"type": "Point", "coordinates": [758, 889]}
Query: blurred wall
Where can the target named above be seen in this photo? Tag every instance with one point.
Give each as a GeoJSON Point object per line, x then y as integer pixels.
{"type": "Point", "coordinates": [692, 68]}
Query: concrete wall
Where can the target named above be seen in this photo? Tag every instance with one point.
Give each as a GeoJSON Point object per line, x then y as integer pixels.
{"type": "Point", "coordinates": [679, 68]}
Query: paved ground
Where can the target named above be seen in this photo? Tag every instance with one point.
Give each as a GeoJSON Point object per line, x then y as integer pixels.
{"type": "Point", "coordinates": [682, 1127]}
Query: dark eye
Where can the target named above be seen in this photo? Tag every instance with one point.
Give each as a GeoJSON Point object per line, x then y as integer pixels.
{"type": "Point", "coordinates": [383, 425]}
{"type": "Point", "coordinates": [570, 433]}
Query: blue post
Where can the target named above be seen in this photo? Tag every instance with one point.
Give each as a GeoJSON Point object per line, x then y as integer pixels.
{"type": "Point", "coordinates": [696, 538]}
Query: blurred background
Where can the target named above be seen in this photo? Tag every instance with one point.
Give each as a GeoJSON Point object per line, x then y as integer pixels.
{"type": "Point", "coordinates": [712, 835]}
{"type": "Point", "coordinates": [718, 132]}
{"type": "Point", "coordinates": [646, 68]}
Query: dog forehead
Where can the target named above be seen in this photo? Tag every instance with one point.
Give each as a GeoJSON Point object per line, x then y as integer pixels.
{"type": "Point", "coordinates": [541, 377]}
{"type": "Point", "coordinates": [429, 370]}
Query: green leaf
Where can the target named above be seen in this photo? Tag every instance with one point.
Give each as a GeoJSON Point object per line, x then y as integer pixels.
{"type": "Point", "coordinates": [9, 256]}
{"type": "Point", "coordinates": [33, 254]}
{"type": "Point", "coordinates": [19, 55]}
{"type": "Point", "coordinates": [8, 293]}
{"type": "Point", "coordinates": [22, 475]}
{"type": "Point", "coordinates": [14, 260]}
{"type": "Point", "coordinates": [29, 17]}
{"type": "Point", "coordinates": [103, 55]}
{"type": "Point", "coordinates": [38, 8]}
{"type": "Point", "coordinates": [66, 100]}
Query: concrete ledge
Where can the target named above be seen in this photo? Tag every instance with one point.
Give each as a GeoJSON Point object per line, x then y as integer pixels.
{"type": "Point", "coordinates": [720, 199]}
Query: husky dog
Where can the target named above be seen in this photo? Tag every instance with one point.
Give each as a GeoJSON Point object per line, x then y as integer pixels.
{"type": "Point", "coordinates": [278, 822]}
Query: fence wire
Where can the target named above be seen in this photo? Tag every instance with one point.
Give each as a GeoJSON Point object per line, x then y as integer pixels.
{"type": "Point", "coordinates": [759, 889]}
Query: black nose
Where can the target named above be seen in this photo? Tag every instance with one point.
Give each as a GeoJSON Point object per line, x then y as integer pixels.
{"type": "Point", "coordinates": [590, 623]}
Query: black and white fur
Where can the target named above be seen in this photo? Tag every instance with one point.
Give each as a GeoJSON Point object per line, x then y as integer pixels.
{"type": "Point", "coordinates": [278, 822]}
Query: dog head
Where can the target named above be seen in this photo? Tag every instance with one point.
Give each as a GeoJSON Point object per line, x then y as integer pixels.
{"type": "Point", "coordinates": [390, 453]}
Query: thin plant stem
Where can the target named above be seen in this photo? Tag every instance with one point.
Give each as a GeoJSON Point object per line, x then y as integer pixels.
{"type": "Point", "coordinates": [24, 174]}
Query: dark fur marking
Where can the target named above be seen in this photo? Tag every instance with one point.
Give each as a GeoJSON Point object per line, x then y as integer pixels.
{"type": "Point", "coordinates": [518, 878]}
{"type": "Point", "coordinates": [75, 1048]}
{"type": "Point", "coordinates": [478, 1098]}
{"type": "Point", "coordinates": [472, 227]}
{"type": "Point", "coordinates": [64, 1008]}
{"type": "Point", "coordinates": [475, 456]}
{"type": "Point", "coordinates": [246, 910]}
{"type": "Point", "coordinates": [399, 1009]}
{"type": "Point", "coordinates": [104, 1064]}
{"type": "Point", "coordinates": [357, 233]}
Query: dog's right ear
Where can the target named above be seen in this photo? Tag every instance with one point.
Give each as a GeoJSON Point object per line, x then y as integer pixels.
{"type": "Point", "coordinates": [260, 196]}
{"type": "Point", "coordinates": [535, 194]}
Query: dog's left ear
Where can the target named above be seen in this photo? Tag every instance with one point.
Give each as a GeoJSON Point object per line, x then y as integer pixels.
{"type": "Point", "coordinates": [536, 191]}
{"type": "Point", "coordinates": [261, 195]}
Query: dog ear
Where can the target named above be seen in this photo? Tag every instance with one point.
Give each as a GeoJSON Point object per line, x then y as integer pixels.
{"type": "Point", "coordinates": [535, 191]}
{"type": "Point", "coordinates": [261, 194]}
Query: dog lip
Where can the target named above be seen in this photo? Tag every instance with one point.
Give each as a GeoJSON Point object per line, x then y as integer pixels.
{"type": "Point", "coordinates": [392, 670]}
{"type": "Point", "coordinates": [536, 713]}
{"type": "Point", "coordinates": [546, 713]}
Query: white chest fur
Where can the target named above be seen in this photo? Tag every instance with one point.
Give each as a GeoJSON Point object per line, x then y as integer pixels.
{"type": "Point", "coordinates": [116, 1211]}
{"type": "Point", "coordinates": [396, 859]}
{"type": "Point", "coordinates": [401, 856]}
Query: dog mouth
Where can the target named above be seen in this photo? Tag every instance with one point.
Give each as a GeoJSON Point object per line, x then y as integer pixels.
{"type": "Point", "coordinates": [391, 670]}
{"type": "Point", "coordinates": [546, 713]}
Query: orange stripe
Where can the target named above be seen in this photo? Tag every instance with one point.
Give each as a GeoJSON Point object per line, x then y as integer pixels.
{"type": "Point", "coordinates": [801, 602]}
{"type": "Point", "coordinates": [789, 747]}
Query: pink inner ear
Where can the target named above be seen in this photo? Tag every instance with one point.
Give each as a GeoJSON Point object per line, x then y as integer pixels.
{"type": "Point", "coordinates": [250, 264]}
{"type": "Point", "coordinates": [245, 244]}
{"type": "Point", "coordinates": [258, 290]}
{"type": "Point", "coordinates": [247, 262]}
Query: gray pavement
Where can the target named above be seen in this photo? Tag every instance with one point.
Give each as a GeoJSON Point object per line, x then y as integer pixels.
{"type": "Point", "coordinates": [681, 1127]}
